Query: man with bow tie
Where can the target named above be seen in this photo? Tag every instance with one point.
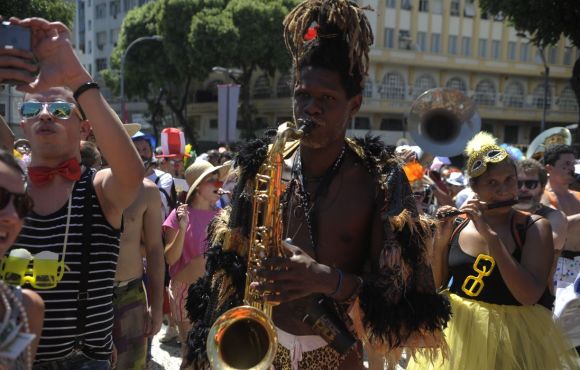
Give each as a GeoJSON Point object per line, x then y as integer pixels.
{"type": "Point", "coordinates": [77, 211]}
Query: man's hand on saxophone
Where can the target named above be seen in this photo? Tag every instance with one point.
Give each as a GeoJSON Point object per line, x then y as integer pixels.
{"type": "Point", "coordinates": [299, 275]}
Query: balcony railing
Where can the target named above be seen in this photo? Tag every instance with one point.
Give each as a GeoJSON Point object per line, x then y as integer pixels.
{"type": "Point", "coordinates": [397, 96]}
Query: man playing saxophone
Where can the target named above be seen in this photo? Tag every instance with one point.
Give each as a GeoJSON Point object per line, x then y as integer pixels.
{"type": "Point", "coordinates": [356, 266]}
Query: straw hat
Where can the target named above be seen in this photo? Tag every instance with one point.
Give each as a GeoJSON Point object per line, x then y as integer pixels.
{"type": "Point", "coordinates": [132, 128]}
{"type": "Point", "coordinates": [196, 173]}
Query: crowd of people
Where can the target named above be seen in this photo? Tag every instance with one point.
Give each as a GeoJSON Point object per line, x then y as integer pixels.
{"type": "Point", "coordinates": [387, 255]}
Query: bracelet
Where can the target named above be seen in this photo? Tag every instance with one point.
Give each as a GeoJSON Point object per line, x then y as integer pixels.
{"type": "Point", "coordinates": [338, 285]}
{"type": "Point", "coordinates": [84, 87]}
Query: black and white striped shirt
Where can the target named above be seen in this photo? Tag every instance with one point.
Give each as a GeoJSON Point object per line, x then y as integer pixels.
{"type": "Point", "coordinates": [46, 233]}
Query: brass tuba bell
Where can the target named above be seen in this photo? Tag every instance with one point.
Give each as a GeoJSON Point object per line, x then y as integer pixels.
{"type": "Point", "coordinates": [552, 136]}
{"type": "Point", "coordinates": [442, 120]}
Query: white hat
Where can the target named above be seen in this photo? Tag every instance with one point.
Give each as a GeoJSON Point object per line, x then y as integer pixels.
{"type": "Point", "coordinates": [456, 178]}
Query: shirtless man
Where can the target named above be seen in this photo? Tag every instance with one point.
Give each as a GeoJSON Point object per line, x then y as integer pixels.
{"type": "Point", "coordinates": [559, 161]}
{"type": "Point", "coordinates": [136, 319]}
{"type": "Point", "coordinates": [532, 179]}
{"type": "Point", "coordinates": [338, 210]}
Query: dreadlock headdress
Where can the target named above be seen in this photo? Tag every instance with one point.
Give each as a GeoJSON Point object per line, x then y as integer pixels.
{"type": "Point", "coordinates": [336, 26]}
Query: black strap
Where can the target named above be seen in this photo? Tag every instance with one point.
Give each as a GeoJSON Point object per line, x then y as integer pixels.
{"type": "Point", "coordinates": [84, 278]}
{"type": "Point", "coordinates": [170, 198]}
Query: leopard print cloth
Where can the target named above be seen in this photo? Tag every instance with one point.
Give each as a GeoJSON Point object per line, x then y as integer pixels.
{"type": "Point", "coordinates": [323, 358]}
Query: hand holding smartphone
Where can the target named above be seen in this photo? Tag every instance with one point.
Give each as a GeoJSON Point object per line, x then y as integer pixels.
{"type": "Point", "coordinates": [17, 66]}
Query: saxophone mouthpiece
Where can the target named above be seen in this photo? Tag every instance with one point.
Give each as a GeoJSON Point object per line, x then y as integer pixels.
{"type": "Point", "coordinates": [305, 125]}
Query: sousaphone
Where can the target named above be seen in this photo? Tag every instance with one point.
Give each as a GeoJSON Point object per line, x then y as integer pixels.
{"type": "Point", "coordinates": [442, 121]}
{"type": "Point", "coordinates": [552, 136]}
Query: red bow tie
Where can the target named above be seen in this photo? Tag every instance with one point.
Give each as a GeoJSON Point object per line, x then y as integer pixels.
{"type": "Point", "coordinates": [40, 176]}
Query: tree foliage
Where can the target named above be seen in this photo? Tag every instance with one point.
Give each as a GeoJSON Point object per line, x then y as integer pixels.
{"type": "Point", "coordinates": [544, 20]}
{"type": "Point", "coordinates": [52, 10]}
{"type": "Point", "coordinates": [198, 35]}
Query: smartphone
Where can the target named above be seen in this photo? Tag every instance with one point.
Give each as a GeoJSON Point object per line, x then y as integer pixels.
{"type": "Point", "coordinates": [14, 36]}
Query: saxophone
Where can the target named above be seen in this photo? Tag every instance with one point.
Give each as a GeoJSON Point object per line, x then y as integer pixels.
{"type": "Point", "coordinates": [244, 337]}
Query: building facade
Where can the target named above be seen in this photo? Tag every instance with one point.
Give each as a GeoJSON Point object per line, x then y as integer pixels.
{"type": "Point", "coordinates": [422, 44]}
{"type": "Point", "coordinates": [97, 24]}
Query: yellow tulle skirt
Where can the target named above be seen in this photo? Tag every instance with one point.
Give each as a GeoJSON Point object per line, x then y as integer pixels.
{"type": "Point", "coordinates": [484, 336]}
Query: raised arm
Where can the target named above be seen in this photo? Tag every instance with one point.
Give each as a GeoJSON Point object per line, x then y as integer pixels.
{"type": "Point", "coordinates": [154, 254]}
{"type": "Point", "coordinates": [59, 66]}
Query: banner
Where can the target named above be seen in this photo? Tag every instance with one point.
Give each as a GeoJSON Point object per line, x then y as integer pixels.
{"type": "Point", "coordinates": [228, 97]}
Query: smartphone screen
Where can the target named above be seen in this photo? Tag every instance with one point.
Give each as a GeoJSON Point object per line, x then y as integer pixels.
{"type": "Point", "coordinates": [14, 36]}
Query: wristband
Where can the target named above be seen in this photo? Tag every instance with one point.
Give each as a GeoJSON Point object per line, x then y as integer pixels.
{"type": "Point", "coordinates": [338, 285]}
{"type": "Point", "coordinates": [84, 87]}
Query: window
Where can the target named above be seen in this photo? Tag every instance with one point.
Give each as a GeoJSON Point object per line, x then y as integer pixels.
{"type": "Point", "coordinates": [389, 38]}
{"type": "Point", "coordinates": [406, 4]}
{"type": "Point", "coordinates": [128, 5]}
{"type": "Point", "coordinates": [101, 64]}
{"type": "Point", "coordinates": [567, 100]}
{"type": "Point", "coordinates": [485, 93]}
{"type": "Point", "coordinates": [483, 48]}
{"type": "Point", "coordinates": [452, 45]}
{"type": "Point", "coordinates": [114, 36]}
{"type": "Point", "coordinates": [435, 43]}
{"type": "Point", "coordinates": [437, 6]}
{"type": "Point", "coordinates": [423, 83]}
{"type": "Point", "coordinates": [422, 41]}
{"type": "Point", "coordinates": [457, 83]}
{"type": "Point", "coordinates": [213, 123]}
{"type": "Point", "coordinates": [262, 87]}
{"type": "Point", "coordinates": [553, 55]}
{"type": "Point", "coordinates": [514, 95]}
{"type": "Point", "coordinates": [454, 9]}
{"type": "Point", "coordinates": [424, 6]}
{"type": "Point", "coordinates": [392, 124]}
{"type": "Point", "coordinates": [567, 56]}
{"type": "Point", "coordinates": [391, 4]}
{"type": "Point", "coordinates": [3, 110]}
{"type": "Point", "coordinates": [466, 46]}
{"type": "Point", "coordinates": [100, 11]}
{"type": "Point", "coordinates": [511, 50]}
{"type": "Point", "coordinates": [90, 47]}
{"type": "Point", "coordinates": [495, 49]}
{"type": "Point", "coordinates": [101, 39]}
{"type": "Point", "coordinates": [114, 8]}
{"type": "Point", "coordinates": [404, 40]}
{"type": "Point", "coordinates": [524, 52]}
{"type": "Point", "coordinates": [510, 134]}
{"type": "Point", "coordinates": [283, 89]}
{"type": "Point", "coordinates": [393, 87]}
{"type": "Point", "coordinates": [538, 96]}
{"type": "Point", "coordinates": [90, 69]}
{"type": "Point", "coordinates": [368, 89]}
{"type": "Point", "coordinates": [469, 10]}
{"type": "Point", "coordinates": [90, 26]}
{"type": "Point", "coordinates": [487, 128]}
{"type": "Point", "coordinates": [362, 123]}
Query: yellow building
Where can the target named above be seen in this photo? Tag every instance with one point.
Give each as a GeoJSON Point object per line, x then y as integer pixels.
{"type": "Point", "coordinates": [422, 44]}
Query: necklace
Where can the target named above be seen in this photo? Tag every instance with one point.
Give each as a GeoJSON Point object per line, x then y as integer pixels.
{"type": "Point", "coordinates": [10, 302]}
{"type": "Point", "coordinates": [305, 201]}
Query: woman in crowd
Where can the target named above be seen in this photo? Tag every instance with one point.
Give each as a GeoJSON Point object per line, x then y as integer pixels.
{"type": "Point", "coordinates": [19, 308]}
{"type": "Point", "coordinates": [185, 232]}
{"type": "Point", "coordinates": [496, 261]}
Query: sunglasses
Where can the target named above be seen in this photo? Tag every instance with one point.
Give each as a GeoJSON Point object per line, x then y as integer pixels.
{"type": "Point", "coordinates": [21, 201]}
{"type": "Point", "coordinates": [57, 109]}
{"type": "Point", "coordinates": [41, 271]}
{"type": "Point", "coordinates": [529, 184]}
